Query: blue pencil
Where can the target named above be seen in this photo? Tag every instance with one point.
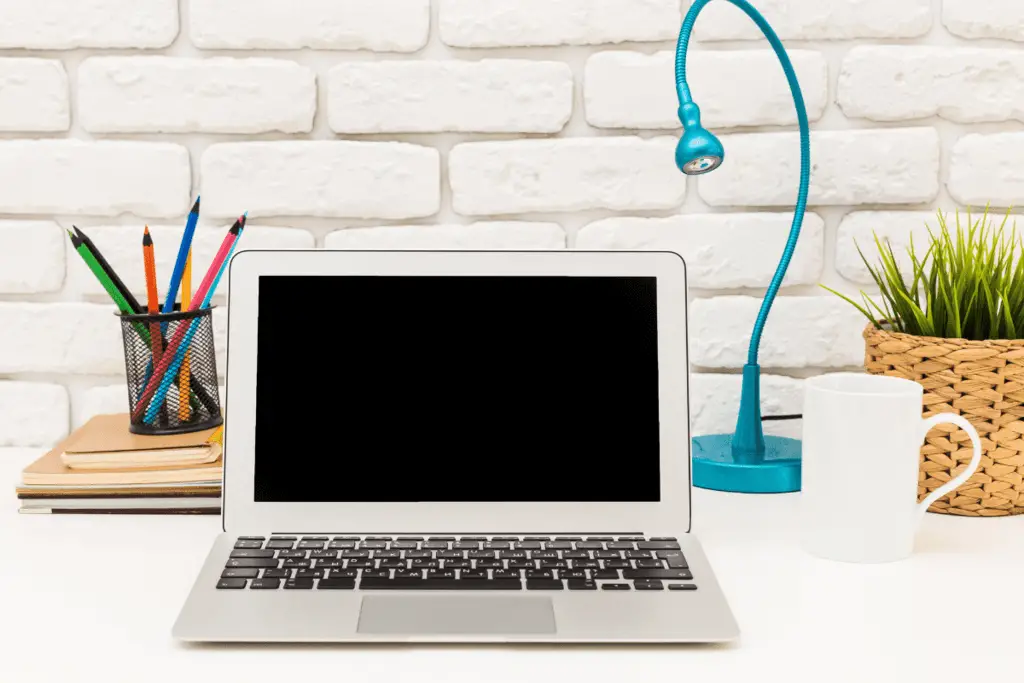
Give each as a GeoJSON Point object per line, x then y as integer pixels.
{"type": "Point", "coordinates": [179, 356]}
{"type": "Point", "coordinates": [179, 264]}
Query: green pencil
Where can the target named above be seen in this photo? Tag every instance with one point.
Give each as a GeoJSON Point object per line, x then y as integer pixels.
{"type": "Point", "coordinates": [122, 304]}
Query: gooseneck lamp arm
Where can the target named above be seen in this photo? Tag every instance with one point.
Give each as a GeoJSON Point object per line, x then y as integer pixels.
{"type": "Point", "coordinates": [700, 152]}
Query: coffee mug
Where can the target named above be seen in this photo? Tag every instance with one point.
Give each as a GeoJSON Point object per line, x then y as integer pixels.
{"type": "Point", "coordinates": [862, 437]}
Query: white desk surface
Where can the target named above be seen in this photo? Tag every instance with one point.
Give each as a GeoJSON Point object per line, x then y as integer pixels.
{"type": "Point", "coordinates": [93, 598]}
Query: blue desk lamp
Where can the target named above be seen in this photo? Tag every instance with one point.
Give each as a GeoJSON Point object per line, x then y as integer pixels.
{"type": "Point", "coordinates": [746, 461]}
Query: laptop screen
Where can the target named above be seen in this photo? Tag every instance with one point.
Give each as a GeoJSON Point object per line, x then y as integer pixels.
{"type": "Point", "coordinates": [457, 389]}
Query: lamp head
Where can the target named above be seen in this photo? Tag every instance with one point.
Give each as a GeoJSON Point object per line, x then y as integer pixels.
{"type": "Point", "coordinates": [698, 151]}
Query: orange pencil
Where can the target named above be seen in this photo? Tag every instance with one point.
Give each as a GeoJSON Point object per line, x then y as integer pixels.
{"type": "Point", "coordinates": [152, 302]}
{"type": "Point", "coordinates": [186, 371]}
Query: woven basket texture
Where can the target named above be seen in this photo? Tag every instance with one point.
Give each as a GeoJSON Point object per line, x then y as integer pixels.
{"type": "Point", "coordinates": [980, 380]}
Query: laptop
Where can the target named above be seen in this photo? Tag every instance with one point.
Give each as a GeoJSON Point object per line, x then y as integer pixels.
{"type": "Point", "coordinates": [457, 447]}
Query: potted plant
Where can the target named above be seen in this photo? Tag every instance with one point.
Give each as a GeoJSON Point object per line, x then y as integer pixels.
{"type": "Point", "coordinates": [952, 318]}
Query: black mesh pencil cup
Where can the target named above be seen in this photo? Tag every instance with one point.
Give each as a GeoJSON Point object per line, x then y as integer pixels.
{"type": "Point", "coordinates": [172, 372]}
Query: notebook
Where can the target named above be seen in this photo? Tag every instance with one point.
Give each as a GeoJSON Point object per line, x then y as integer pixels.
{"type": "Point", "coordinates": [104, 443]}
{"type": "Point", "coordinates": [49, 470]}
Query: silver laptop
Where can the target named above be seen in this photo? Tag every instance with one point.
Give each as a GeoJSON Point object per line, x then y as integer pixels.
{"type": "Point", "coordinates": [457, 446]}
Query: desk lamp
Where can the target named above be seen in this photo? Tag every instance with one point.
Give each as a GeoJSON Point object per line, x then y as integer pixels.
{"type": "Point", "coordinates": [746, 461]}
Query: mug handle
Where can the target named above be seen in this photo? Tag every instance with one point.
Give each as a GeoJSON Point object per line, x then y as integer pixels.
{"type": "Point", "coordinates": [963, 424]}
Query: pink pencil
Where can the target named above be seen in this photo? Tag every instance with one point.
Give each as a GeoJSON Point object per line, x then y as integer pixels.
{"type": "Point", "coordinates": [169, 352]}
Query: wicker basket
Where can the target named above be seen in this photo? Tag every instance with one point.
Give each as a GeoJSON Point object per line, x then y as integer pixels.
{"type": "Point", "coordinates": [984, 382]}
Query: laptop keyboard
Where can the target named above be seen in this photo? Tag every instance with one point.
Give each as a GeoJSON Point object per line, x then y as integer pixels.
{"type": "Point", "coordinates": [614, 563]}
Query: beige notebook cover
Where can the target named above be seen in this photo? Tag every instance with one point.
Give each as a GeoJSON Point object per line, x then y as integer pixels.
{"type": "Point", "coordinates": [104, 442]}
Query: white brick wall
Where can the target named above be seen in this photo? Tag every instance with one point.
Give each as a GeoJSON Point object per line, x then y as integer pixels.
{"type": "Point", "coordinates": [484, 124]}
{"type": "Point", "coordinates": [174, 95]}
{"type": "Point", "coordinates": [715, 401]}
{"type": "Point", "coordinates": [741, 88]}
{"type": "Point", "coordinates": [490, 96]}
{"type": "Point", "coordinates": [33, 95]}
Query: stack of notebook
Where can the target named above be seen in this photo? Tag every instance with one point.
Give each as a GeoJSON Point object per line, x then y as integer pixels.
{"type": "Point", "coordinates": [103, 467]}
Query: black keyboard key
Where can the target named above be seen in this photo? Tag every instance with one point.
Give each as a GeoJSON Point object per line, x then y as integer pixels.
{"type": "Point", "coordinates": [632, 539]}
{"type": "Point", "coordinates": [359, 564]}
{"type": "Point", "coordinates": [409, 573]}
{"type": "Point", "coordinates": [589, 545]}
{"type": "Point", "coordinates": [605, 574]}
{"type": "Point", "coordinates": [343, 574]}
{"type": "Point", "coordinates": [669, 544]}
{"type": "Point", "coordinates": [494, 545]}
{"type": "Point", "coordinates": [538, 574]}
{"type": "Point", "coordinates": [437, 584]}
{"type": "Point", "coordinates": [656, 574]}
{"type": "Point", "coordinates": [555, 564]}
{"type": "Point", "coordinates": [249, 545]}
{"type": "Point", "coordinates": [378, 538]}
{"type": "Point", "coordinates": [384, 554]}
{"type": "Point", "coordinates": [421, 563]}
{"type": "Point", "coordinates": [584, 564]}
{"type": "Point", "coordinates": [600, 538]}
{"type": "Point", "coordinates": [527, 545]}
{"type": "Point", "coordinates": [404, 545]}
{"type": "Point", "coordinates": [576, 555]}
{"type": "Point", "coordinates": [294, 563]}
{"type": "Point", "coordinates": [251, 538]}
{"type": "Point", "coordinates": [473, 538]}
{"type": "Point", "coordinates": [638, 554]}
{"type": "Point", "coordinates": [441, 538]}
{"type": "Point", "coordinates": [409, 538]}
{"type": "Point", "coordinates": [277, 573]}
{"type": "Point", "coordinates": [544, 585]}
{"type": "Point", "coordinates": [608, 554]}
{"type": "Point", "coordinates": [300, 554]}
{"type": "Point", "coordinates": [435, 545]}
{"type": "Point", "coordinates": [328, 564]}
{"type": "Point", "coordinates": [456, 564]}
{"type": "Point", "coordinates": [392, 563]}
{"type": "Point", "coordinates": [536, 538]}
{"type": "Point", "coordinates": [521, 564]}
{"type": "Point", "coordinates": [663, 538]}
{"type": "Point", "coordinates": [298, 584]}
{"type": "Point", "coordinates": [544, 555]}
{"type": "Point", "coordinates": [341, 545]}
{"type": "Point", "coordinates": [413, 554]}
{"type": "Point", "coordinates": [336, 584]}
{"type": "Point", "coordinates": [512, 554]}
{"type": "Point", "coordinates": [488, 564]}
{"type": "Point", "coordinates": [466, 545]}
{"type": "Point", "coordinates": [473, 574]}
{"type": "Point", "coordinates": [568, 538]}
{"type": "Point", "coordinates": [314, 538]}
{"type": "Point", "coordinates": [324, 554]}
{"type": "Point", "coordinates": [615, 586]}
{"type": "Point", "coordinates": [572, 574]}
{"type": "Point", "coordinates": [252, 562]}
{"type": "Point", "coordinates": [284, 538]}
{"type": "Point", "coordinates": [506, 574]}
{"type": "Point", "coordinates": [505, 539]}
{"type": "Point", "coordinates": [674, 558]}
{"type": "Point", "coordinates": [310, 545]}
{"type": "Point", "coordinates": [620, 545]}
{"type": "Point", "coordinates": [682, 586]}
{"type": "Point", "coordinates": [444, 574]}
{"type": "Point", "coordinates": [649, 585]}
{"type": "Point", "coordinates": [581, 585]}
{"type": "Point", "coordinates": [481, 554]}
{"type": "Point", "coordinates": [265, 584]}
{"type": "Point", "coordinates": [649, 564]}
{"type": "Point", "coordinates": [309, 574]}
{"type": "Point", "coordinates": [346, 538]}
{"type": "Point", "coordinates": [559, 545]}
{"type": "Point", "coordinates": [280, 545]}
{"type": "Point", "coordinates": [616, 564]}
{"type": "Point", "coordinates": [240, 573]}
{"type": "Point", "coordinates": [376, 574]}
{"type": "Point", "coordinates": [231, 583]}
{"type": "Point", "coordinates": [353, 554]}
{"type": "Point", "coordinates": [372, 545]}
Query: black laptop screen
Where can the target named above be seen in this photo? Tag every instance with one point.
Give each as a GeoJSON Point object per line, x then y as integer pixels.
{"type": "Point", "coordinates": [457, 389]}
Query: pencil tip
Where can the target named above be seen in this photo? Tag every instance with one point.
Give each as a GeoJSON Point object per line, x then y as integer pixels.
{"type": "Point", "coordinates": [195, 207]}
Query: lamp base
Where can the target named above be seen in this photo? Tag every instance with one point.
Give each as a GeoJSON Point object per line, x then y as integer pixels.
{"type": "Point", "coordinates": [715, 468]}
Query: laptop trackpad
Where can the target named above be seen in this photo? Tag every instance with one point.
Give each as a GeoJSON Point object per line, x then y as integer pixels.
{"type": "Point", "coordinates": [455, 614]}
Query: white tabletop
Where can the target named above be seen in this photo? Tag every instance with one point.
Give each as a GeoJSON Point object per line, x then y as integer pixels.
{"type": "Point", "coordinates": [92, 598]}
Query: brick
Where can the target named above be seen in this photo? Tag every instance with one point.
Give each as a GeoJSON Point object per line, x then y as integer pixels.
{"type": "Point", "coordinates": [33, 95]}
{"type": "Point", "coordinates": [984, 18]}
{"type": "Point", "coordinates": [721, 251]}
{"type": "Point", "coordinates": [802, 331]}
{"type": "Point", "coordinates": [762, 169]}
{"type": "Point", "coordinates": [570, 174]}
{"type": "Point", "coordinates": [104, 400]}
{"type": "Point", "coordinates": [31, 257]}
{"type": "Point", "coordinates": [500, 23]}
{"type": "Point", "coordinates": [32, 413]}
{"type": "Point", "coordinates": [986, 169]}
{"type": "Point", "coordinates": [715, 403]}
{"type": "Point", "coordinates": [62, 25]}
{"type": "Point", "coordinates": [94, 178]}
{"type": "Point", "coordinates": [819, 20]}
{"type": "Point", "coordinates": [489, 96]}
{"type": "Point", "coordinates": [75, 338]}
{"type": "Point", "coordinates": [120, 245]}
{"type": "Point", "coordinates": [380, 25]}
{"type": "Point", "coordinates": [734, 88]}
{"type": "Point", "coordinates": [897, 227]}
{"type": "Point", "coordinates": [172, 95]}
{"type": "Point", "coordinates": [966, 85]}
{"type": "Point", "coordinates": [330, 179]}
{"type": "Point", "coordinates": [496, 235]}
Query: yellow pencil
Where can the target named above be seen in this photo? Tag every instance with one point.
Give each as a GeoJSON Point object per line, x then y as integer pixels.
{"type": "Point", "coordinates": [184, 411]}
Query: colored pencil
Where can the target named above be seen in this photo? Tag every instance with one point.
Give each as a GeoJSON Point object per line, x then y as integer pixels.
{"type": "Point", "coordinates": [160, 381]}
{"type": "Point", "coordinates": [186, 369]}
{"type": "Point", "coordinates": [152, 300]}
{"type": "Point", "coordinates": [126, 293]}
{"type": "Point", "coordinates": [123, 304]}
{"type": "Point", "coordinates": [179, 263]}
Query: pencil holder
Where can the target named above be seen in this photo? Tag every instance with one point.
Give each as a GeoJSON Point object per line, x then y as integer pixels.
{"type": "Point", "coordinates": [171, 366]}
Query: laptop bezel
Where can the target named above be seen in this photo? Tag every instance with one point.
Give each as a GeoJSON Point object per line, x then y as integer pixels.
{"type": "Point", "coordinates": [242, 513]}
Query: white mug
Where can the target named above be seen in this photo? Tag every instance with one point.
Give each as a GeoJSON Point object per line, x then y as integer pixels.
{"type": "Point", "coordinates": [862, 437]}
